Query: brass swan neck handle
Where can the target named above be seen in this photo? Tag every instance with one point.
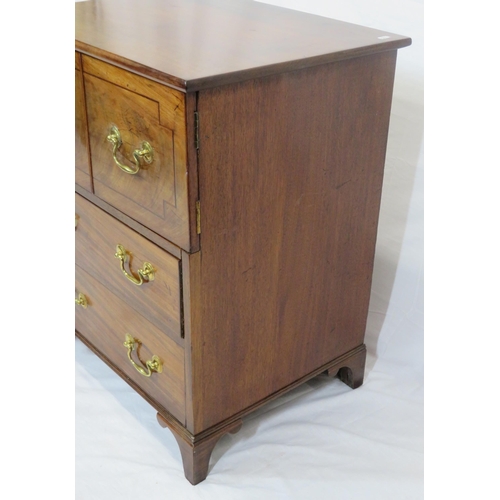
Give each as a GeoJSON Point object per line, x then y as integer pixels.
{"type": "Point", "coordinates": [147, 273]}
{"type": "Point", "coordinates": [144, 153]}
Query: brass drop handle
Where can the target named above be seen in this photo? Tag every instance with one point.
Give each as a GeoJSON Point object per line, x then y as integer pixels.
{"type": "Point", "coordinates": [147, 272]}
{"type": "Point", "coordinates": [81, 300]}
{"type": "Point", "coordinates": [153, 365]}
{"type": "Point", "coordinates": [145, 153]}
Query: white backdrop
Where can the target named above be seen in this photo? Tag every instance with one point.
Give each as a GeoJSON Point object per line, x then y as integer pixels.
{"type": "Point", "coordinates": [323, 439]}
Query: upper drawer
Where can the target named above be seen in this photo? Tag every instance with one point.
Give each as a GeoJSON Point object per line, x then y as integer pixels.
{"type": "Point", "coordinates": [97, 237]}
{"type": "Point", "coordinates": [137, 131]}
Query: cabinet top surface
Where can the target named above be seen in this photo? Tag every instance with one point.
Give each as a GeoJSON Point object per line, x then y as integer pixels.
{"type": "Point", "coordinates": [196, 44]}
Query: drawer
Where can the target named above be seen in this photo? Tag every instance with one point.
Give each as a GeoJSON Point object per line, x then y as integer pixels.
{"type": "Point", "coordinates": [137, 134]}
{"type": "Point", "coordinates": [97, 237]}
{"type": "Point", "coordinates": [82, 171]}
{"type": "Point", "coordinates": [105, 322]}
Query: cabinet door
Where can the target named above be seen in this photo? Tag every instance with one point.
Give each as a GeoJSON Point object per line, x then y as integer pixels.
{"type": "Point", "coordinates": [137, 137]}
{"type": "Point", "coordinates": [83, 176]}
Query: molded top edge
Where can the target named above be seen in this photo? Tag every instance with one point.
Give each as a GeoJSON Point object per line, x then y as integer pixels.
{"type": "Point", "coordinates": [198, 44]}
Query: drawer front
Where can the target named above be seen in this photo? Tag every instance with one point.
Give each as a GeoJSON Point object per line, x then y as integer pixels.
{"type": "Point", "coordinates": [140, 116]}
{"type": "Point", "coordinates": [82, 172]}
{"type": "Point", "coordinates": [106, 320]}
{"type": "Point", "coordinates": [97, 237]}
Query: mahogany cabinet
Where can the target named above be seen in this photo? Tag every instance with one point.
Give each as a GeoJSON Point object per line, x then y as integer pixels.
{"type": "Point", "coordinates": [229, 167]}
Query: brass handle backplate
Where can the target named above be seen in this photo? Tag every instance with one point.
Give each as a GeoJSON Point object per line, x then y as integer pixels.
{"type": "Point", "coordinates": [147, 273]}
{"type": "Point", "coordinates": [152, 365]}
{"type": "Point", "coordinates": [145, 152]}
{"type": "Point", "coordinates": [81, 300]}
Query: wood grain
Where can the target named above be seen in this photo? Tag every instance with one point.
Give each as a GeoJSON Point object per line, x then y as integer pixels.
{"type": "Point", "coordinates": [141, 229]}
{"type": "Point", "coordinates": [137, 388]}
{"type": "Point", "coordinates": [330, 368]}
{"type": "Point", "coordinates": [97, 235]}
{"type": "Point", "coordinates": [83, 175]}
{"type": "Point", "coordinates": [107, 320]}
{"type": "Point", "coordinates": [187, 300]}
{"type": "Point", "coordinates": [192, 155]}
{"type": "Point", "coordinates": [198, 44]}
{"type": "Point", "coordinates": [170, 101]}
{"type": "Point", "coordinates": [291, 170]}
{"type": "Point", "coordinates": [293, 119]}
{"type": "Point", "coordinates": [143, 111]}
{"type": "Point", "coordinates": [196, 453]}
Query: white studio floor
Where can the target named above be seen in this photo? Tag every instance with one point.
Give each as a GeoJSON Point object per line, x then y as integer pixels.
{"type": "Point", "coordinates": [323, 440]}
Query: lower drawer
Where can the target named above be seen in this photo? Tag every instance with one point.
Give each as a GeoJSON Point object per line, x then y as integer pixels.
{"type": "Point", "coordinates": [105, 321]}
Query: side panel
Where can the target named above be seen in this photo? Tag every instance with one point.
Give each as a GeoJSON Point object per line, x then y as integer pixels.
{"type": "Point", "coordinates": [290, 179]}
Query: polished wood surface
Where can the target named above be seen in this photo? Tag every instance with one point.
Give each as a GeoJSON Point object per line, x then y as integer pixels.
{"type": "Point", "coordinates": [196, 453]}
{"type": "Point", "coordinates": [291, 172]}
{"type": "Point", "coordinates": [97, 235]}
{"type": "Point", "coordinates": [143, 111]}
{"type": "Point", "coordinates": [140, 228]}
{"type": "Point", "coordinates": [192, 155]}
{"type": "Point", "coordinates": [196, 44]}
{"type": "Point", "coordinates": [83, 176]}
{"type": "Point", "coordinates": [196, 449]}
{"type": "Point", "coordinates": [175, 423]}
{"type": "Point", "coordinates": [187, 314]}
{"type": "Point", "coordinates": [107, 320]}
{"type": "Point", "coordinates": [332, 368]}
{"type": "Point", "coordinates": [287, 167]}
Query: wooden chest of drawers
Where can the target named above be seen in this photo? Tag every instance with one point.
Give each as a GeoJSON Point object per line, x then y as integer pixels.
{"type": "Point", "coordinates": [229, 165]}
